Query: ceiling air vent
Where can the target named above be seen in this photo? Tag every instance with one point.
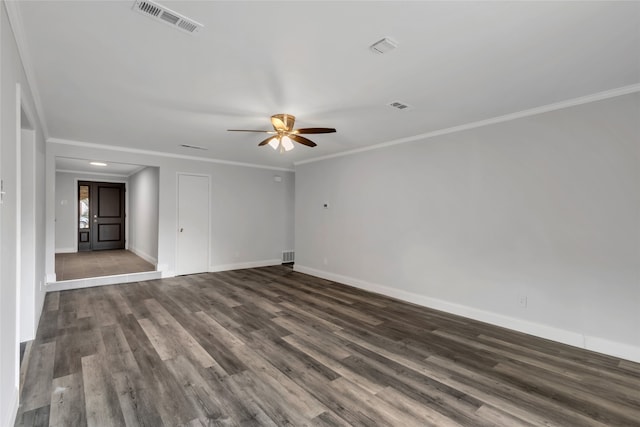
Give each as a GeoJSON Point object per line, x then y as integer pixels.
{"type": "Point", "coordinates": [383, 46]}
{"type": "Point", "coordinates": [166, 15]}
{"type": "Point", "coordinates": [399, 105]}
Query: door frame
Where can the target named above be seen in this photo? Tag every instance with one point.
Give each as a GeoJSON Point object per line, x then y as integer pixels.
{"type": "Point", "coordinates": [177, 222]}
{"type": "Point", "coordinates": [76, 212]}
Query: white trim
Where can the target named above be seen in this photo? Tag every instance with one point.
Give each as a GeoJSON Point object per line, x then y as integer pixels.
{"type": "Point", "coordinates": [243, 265]}
{"type": "Point", "coordinates": [139, 169]}
{"type": "Point", "coordinates": [65, 285]}
{"type": "Point", "coordinates": [50, 278]}
{"type": "Point", "coordinates": [116, 175]}
{"type": "Point", "coordinates": [625, 90]}
{"type": "Point", "coordinates": [66, 250]}
{"type": "Point", "coordinates": [29, 244]}
{"type": "Point", "coordinates": [15, 20]}
{"type": "Point", "coordinates": [160, 154]}
{"type": "Point", "coordinates": [564, 336]}
{"type": "Point", "coordinates": [165, 271]}
{"type": "Point", "coordinates": [13, 409]}
{"type": "Point", "coordinates": [144, 256]}
{"type": "Point", "coordinates": [165, 274]}
{"type": "Point", "coordinates": [18, 229]}
{"type": "Point", "coordinates": [612, 348]}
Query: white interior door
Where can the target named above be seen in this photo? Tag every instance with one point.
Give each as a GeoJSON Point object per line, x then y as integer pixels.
{"type": "Point", "coordinates": [193, 224]}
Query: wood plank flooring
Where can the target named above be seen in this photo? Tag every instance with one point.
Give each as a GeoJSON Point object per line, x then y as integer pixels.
{"type": "Point", "coordinates": [271, 347]}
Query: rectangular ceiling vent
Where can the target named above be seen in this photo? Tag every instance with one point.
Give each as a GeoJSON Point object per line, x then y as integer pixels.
{"type": "Point", "coordinates": [166, 15]}
{"type": "Point", "coordinates": [399, 105]}
{"type": "Point", "coordinates": [383, 46]}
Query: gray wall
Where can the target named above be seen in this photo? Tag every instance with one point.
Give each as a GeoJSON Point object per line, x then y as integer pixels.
{"type": "Point", "coordinates": [28, 310]}
{"type": "Point", "coordinates": [251, 214]}
{"type": "Point", "coordinates": [66, 209]}
{"type": "Point", "coordinates": [533, 224]}
{"type": "Point", "coordinates": [143, 213]}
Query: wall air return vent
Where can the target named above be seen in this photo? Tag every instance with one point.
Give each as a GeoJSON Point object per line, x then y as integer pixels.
{"type": "Point", "coordinates": [166, 15]}
{"type": "Point", "coordinates": [288, 256]}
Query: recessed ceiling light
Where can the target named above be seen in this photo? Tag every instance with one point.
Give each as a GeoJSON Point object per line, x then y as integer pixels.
{"type": "Point", "coordinates": [98, 164]}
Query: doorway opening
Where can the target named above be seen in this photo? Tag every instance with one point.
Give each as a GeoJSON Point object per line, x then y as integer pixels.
{"type": "Point", "coordinates": [106, 219]}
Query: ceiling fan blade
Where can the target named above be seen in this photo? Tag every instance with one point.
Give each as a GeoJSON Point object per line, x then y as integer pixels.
{"type": "Point", "coordinates": [266, 141]}
{"type": "Point", "coordinates": [278, 123]}
{"type": "Point", "coordinates": [250, 130]}
{"type": "Point", "coordinates": [314, 130]}
{"type": "Point", "coordinates": [302, 140]}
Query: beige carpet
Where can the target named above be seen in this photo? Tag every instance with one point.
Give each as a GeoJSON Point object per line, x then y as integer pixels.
{"type": "Point", "coordinates": [82, 265]}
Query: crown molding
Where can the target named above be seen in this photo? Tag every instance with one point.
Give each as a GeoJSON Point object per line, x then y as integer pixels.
{"type": "Point", "coordinates": [625, 90]}
{"type": "Point", "coordinates": [160, 154]}
{"type": "Point", "coordinates": [135, 171]}
{"type": "Point", "coordinates": [15, 21]}
{"type": "Point", "coordinates": [117, 175]}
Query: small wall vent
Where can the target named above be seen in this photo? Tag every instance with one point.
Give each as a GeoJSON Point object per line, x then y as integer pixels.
{"type": "Point", "coordinates": [288, 256]}
{"type": "Point", "coordinates": [399, 105]}
{"type": "Point", "coordinates": [166, 15]}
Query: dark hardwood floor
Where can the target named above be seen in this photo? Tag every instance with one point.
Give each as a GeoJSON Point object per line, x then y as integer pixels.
{"type": "Point", "coordinates": [269, 346]}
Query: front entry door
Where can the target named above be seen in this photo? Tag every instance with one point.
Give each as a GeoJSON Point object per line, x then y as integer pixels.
{"type": "Point", "coordinates": [101, 215]}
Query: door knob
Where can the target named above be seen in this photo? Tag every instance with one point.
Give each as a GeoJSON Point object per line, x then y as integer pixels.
{"type": "Point", "coordinates": [181, 229]}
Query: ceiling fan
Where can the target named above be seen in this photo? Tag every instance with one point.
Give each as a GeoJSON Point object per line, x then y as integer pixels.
{"type": "Point", "coordinates": [284, 134]}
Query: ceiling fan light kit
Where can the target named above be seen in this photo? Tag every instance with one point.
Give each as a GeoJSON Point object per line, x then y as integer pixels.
{"type": "Point", "coordinates": [283, 143]}
{"type": "Point", "coordinates": [284, 135]}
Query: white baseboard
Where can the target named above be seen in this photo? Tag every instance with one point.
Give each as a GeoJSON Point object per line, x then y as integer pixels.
{"type": "Point", "coordinates": [242, 265]}
{"type": "Point", "coordinates": [10, 418]}
{"type": "Point", "coordinates": [65, 285]}
{"type": "Point", "coordinates": [166, 274]}
{"type": "Point", "coordinates": [144, 256]}
{"type": "Point", "coordinates": [66, 250]}
{"type": "Point", "coordinates": [576, 339]}
{"type": "Point", "coordinates": [613, 348]}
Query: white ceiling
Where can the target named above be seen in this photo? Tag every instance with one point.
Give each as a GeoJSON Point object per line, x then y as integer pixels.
{"type": "Point", "coordinates": [65, 164]}
{"type": "Point", "coordinates": [108, 75]}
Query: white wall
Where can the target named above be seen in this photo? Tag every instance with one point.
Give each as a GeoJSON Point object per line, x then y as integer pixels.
{"type": "Point", "coordinates": [251, 214]}
{"type": "Point", "coordinates": [28, 247]}
{"type": "Point", "coordinates": [11, 74]}
{"type": "Point", "coordinates": [545, 207]}
{"type": "Point", "coordinates": [143, 218]}
{"type": "Point", "coordinates": [66, 209]}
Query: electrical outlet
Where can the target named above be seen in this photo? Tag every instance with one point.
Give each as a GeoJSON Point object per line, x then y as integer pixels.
{"type": "Point", "coordinates": [325, 261]}
{"type": "Point", "coordinates": [522, 300]}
